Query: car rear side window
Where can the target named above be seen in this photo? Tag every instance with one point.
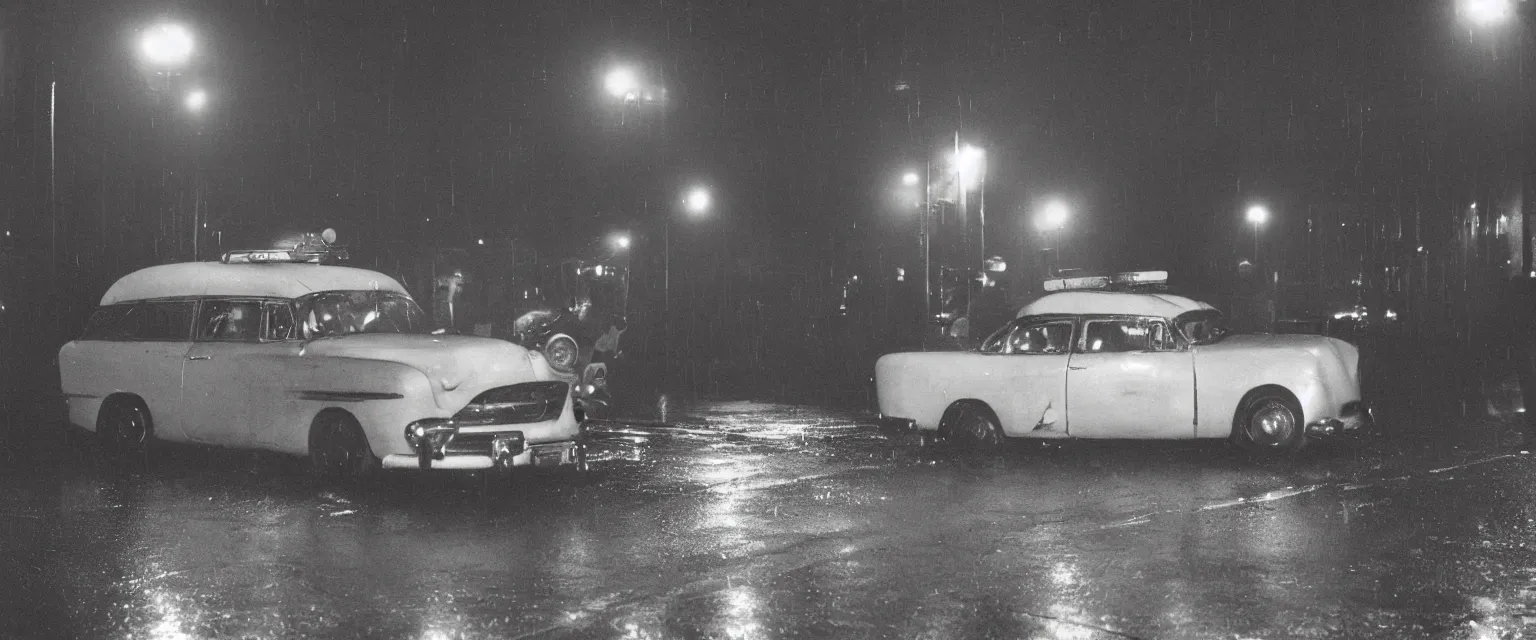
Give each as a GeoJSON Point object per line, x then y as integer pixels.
{"type": "Point", "coordinates": [229, 321]}
{"type": "Point", "coordinates": [163, 321]}
{"type": "Point", "coordinates": [109, 323]}
{"type": "Point", "coordinates": [1041, 338]}
{"type": "Point", "coordinates": [1120, 336]}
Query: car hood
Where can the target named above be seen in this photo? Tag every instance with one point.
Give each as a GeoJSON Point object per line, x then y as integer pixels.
{"type": "Point", "coordinates": [459, 367]}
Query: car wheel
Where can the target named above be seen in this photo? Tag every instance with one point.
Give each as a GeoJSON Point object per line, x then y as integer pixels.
{"type": "Point", "coordinates": [1269, 424]}
{"type": "Point", "coordinates": [974, 428]}
{"type": "Point", "coordinates": [338, 449]}
{"type": "Point", "coordinates": [125, 429]}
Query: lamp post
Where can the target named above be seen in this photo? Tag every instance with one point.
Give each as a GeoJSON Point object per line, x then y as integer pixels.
{"type": "Point", "coordinates": [970, 171]}
{"type": "Point", "coordinates": [1257, 215]}
{"type": "Point", "coordinates": [696, 203]}
{"type": "Point", "coordinates": [165, 48]}
{"type": "Point", "coordinates": [925, 205]}
{"type": "Point", "coordinates": [1050, 221]}
{"type": "Point", "coordinates": [1490, 15]}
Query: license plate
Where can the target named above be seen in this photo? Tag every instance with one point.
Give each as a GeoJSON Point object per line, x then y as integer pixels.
{"type": "Point", "coordinates": [548, 458]}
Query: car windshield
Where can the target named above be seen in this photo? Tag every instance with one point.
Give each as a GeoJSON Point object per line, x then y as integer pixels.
{"type": "Point", "coordinates": [1203, 327]}
{"type": "Point", "coordinates": [999, 338]}
{"type": "Point", "coordinates": [341, 313]}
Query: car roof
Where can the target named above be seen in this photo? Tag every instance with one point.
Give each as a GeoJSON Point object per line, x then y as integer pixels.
{"type": "Point", "coordinates": [1112, 303]}
{"type": "Point", "coordinates": [243, 280]}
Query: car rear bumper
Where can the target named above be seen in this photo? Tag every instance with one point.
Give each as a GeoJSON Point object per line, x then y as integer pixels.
{"type": "Point", "coordinates": [894, 424]}
{"type": "Point", "coordinates": [1354, 419]}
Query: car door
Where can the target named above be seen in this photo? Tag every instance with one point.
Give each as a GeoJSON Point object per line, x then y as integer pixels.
{"type": "Point", "coordinates": [1030, 364]}
{"type": "Point", "coordinates": [1130, 378]}
{"type": "Point", "coordinates": [222, 379]}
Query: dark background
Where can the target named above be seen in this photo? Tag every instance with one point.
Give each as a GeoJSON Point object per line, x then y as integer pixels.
{"type": "Point", "coordinates": [1367, 129]}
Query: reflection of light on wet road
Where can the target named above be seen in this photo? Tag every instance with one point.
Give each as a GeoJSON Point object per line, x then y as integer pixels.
{"type": "Point", "coordinates": [1064, 574]}
{"type": "Point", "coordinates": [741, 614]}
{"type": "Point", "coordinates": [1064, 627]}
{"type": "Point", "coordinates": [170, 622]}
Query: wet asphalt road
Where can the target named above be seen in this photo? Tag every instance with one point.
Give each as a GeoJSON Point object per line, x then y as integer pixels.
{"type": "Point", "coordinates": [766, 521]}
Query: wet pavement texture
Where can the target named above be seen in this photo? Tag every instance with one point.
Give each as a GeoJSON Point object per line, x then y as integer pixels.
{"type": "Point", "coordinates": [743, 520]}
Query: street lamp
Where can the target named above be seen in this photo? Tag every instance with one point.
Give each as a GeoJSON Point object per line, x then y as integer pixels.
{"type": "Point", "coordinates": [1257, 215]}
{"type": "Point", "coordinates": [622, 83]}
{"type": "Point", "coordinates": [697, 201]}
{"type": "Point", "coordinates": [1485, 13]}
{"type": "Point", "coordinates": [1050, 220]}
{"type": "Point", "coordinates": [196, 100]}
{"type": "Point", "coordinates": [166, 45]}
{"type": "Point", "coordinates": [1053, 217]}
{"type": "Point", "coordinates": [619, 241]}
{"type": "Point", "coordinates": [909, 179]}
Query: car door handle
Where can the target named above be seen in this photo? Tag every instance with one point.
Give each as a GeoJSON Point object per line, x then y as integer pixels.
{"type": "Point", "coordinates": [199, 357]}
{"type": "Point", "coordinates": [1076, 368]}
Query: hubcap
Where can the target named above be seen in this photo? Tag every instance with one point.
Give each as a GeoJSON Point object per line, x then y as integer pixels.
{"type": "Point", "coordinates": [1272, 424]}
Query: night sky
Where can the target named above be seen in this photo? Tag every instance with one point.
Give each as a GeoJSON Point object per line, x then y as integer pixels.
{"type": "Point", "coordinates": [1158, 121]}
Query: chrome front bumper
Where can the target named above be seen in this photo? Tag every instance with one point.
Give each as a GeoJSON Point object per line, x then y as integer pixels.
{"type": "Point", "coordinates": [499, 450]}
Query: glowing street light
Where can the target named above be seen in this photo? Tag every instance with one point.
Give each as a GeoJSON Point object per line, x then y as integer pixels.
{"type": "Point", "coordinates": [970, 166]}
{"type": "Point", "coordinates": [909, 178]}
{"type": "Point", "coordinates": [1053, 217]}
{"type": "Point", "coordinates": [1050, 220]}
{"type": "Point", "coordinates": [166, 45]}
{"type": "Point", "coordinates": [620, 241]}
{"type": "Point", "coordinates": [1487, 13]}
{"type": "Point", "coordinates": [622, 83]}
{"type": "Point", "coordinates": [1257, 215]}
{"type": "Point", "coordinates": [697, 201]}
{"type": "Point", "coordinates": [196, 100]}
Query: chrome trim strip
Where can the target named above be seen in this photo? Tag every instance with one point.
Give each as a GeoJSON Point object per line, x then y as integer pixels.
{"type": "Point", "coordinates": [346, 396]}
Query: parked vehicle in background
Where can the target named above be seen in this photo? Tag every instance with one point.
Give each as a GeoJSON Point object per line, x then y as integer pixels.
{"type": "Point", "coordinates": [285, 351]}
{"type": "Point", "coordinates": [572, 311]}
{"type": "Point", "coordinates": [1103, 358]}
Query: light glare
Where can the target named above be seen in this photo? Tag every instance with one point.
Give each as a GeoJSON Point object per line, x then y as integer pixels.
{"type": "Point", "coordinates": [1487, 12]}
{"type": "Point", "coordinates": [909, 179]}
{"type": "Point", "coordinates": [197, 99]}
{"type": "Point", "coordinates": [167, 45]}
{"type": "Point", "coordinates": [1054, 216]}
{"type": "Point", "coordinates": [620, 241]}
{"type": "Point", "coordinates": [622, 83]}
{"type": "Point", "coordinates": [1258, 215]}
{"type": "Point", "coordinates": [697, 200]}
{"type": "Point", "coordinates": [970, 165]}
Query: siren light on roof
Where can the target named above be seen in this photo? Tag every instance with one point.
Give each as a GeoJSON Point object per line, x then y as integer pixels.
{"type": "Point", "coordinates": [312, 248]}
{"type": "Point", "coordinates": [1100, 283]}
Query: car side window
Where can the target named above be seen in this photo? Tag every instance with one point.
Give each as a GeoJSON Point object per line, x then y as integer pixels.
{"type": "Point", "coordinates": [162, 321]}
{"type": "Point", "coordinates": [279, 321]}
{"type": "Point", "coordinates": [1042, 338]}
{"type": "Point", "coordinates": [1122, 336]}
{"type": "Point", "coordinates": [229, 321]}
{"type": "Point", "coordinates": [109, 323]}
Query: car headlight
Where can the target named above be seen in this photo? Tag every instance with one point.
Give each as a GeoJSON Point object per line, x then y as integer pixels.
{"type": "Point", "coordinates": [562, 353]}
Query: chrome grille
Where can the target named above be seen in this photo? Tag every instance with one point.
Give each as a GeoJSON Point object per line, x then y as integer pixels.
{"type": "Point", "coordinates": [514, 404]}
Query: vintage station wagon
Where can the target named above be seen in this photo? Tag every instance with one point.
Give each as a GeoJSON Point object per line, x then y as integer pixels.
{"type": "Point", "coordinates": [1103, 358]}
{"type": "Point", "coordinates": [269, 350]}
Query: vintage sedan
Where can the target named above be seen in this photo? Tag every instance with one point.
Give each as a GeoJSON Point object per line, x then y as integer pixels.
{"type": "Point", "coordinates": [266, 351]}
{"type": "Point", "coordinates": [1099, 361]}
